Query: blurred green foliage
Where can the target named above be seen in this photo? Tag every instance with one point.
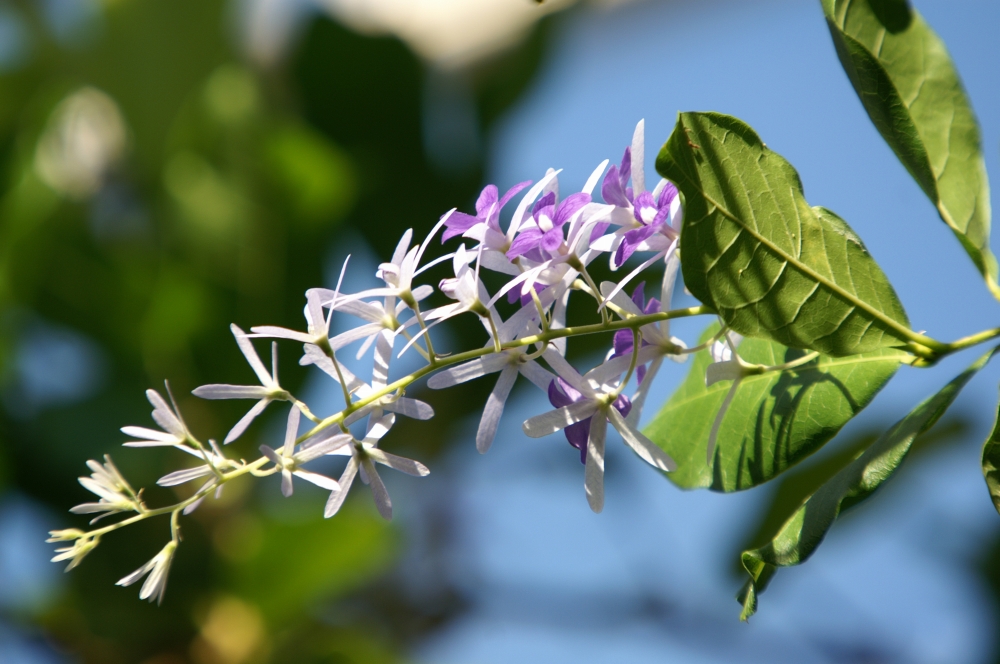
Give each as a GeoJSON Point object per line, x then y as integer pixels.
{"type": "Point", "coordinates": [153, 189]}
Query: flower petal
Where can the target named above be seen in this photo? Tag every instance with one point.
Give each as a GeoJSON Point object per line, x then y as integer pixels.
{"type": "Point", "coordinates": [382, 501]}
{"type": "Point", "coordinates": [413, 408]}
{"type": "Point", "coordinates": [402, 464]}
{"type": "Point", "coordinates": [322, 481]}
{"type": "Point", "coordinates": [594, 471]}
{"type": "Point", "coordinates": [536, 374]}
{"type": "Point", "coordinates": [638, 160]}
{"type": "Point", "coordinates": [558, 419]}
{"type": "Point", "coordinates": [275, 332]}
{"type": "Point", "coordinates": [337, 496]}
{"type": "Point", "coordinates": [467, 371]}
{"type": "Point", "coordinates": [249, 352]}
{"type": "Point", "coordinates": [245, 421]}
{"type": "Point", "coordinates": [185, 475]}
{"type": "Point", "coordinates": [494, 408]}
{"type": "Point", "coordinates": [647, 450]}
{"type": "Point", "coordinates": [230, 392]}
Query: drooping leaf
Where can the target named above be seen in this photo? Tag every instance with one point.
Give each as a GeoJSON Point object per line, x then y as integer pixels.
{"type": "Point", "coordinates": [794, 486]}
{"type": "Point", "coordinates": [991, 463]}
{"type": "Point", "coordinates": [775, 419]}
{"type": "Point", "coordinates": [770, 265]}
{"type": "Point", "coordinates": [911, 90]}
{"type": "Point", "coordinates": [805, 529]}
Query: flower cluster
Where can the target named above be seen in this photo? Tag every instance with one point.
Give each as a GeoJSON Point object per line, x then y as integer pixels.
{"type": "Point", "coordinates": [543, 256]}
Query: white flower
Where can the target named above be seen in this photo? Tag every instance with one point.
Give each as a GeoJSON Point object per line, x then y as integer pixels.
{"type": "Point", "coordinates": [269, 390]}
{"type": "Point", "coordinates": [726, 365]}
{"type": "Point", "coordinates": [656, 334]}
{"type": "Point", "coordinates": [357, 387]}
{"type": "Point", "coordinates": [83, 543]}
{"type": "Point", "coordinates": [380, 316]}
{"type": "Point", "coordinates": [114, 491]}
{"type": "Point", "coordinates": [157, 568]}
{"type": "Point", "coordinates": [590, 399]}
{"type": "Point", "coordinates": [175, 432]}
{"type": "Point", "coordinates": [509, 363]}
{"type": "Point", "coordinates": [465, 286]}
{"type": "Point", "coordinates": [399, 272]}
{"type": "Point", "coordinates": [218, 462]}
{"type": "Point", "coordinates": [364, 455]}
{"type": "Point", "coordinates": [290, 461]}
{"type": "Point", "coordinates": [317, 325]}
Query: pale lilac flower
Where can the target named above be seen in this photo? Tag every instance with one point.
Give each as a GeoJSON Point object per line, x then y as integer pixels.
{"type": "Point", "coordinates": [554, 237]}
{"type": "Point", "coordinates": [589, 398]}
{"type": "Point", "coordinates": [652, 213]}
{"type": "Point", "coordinates": [542, 237]}
{"type": "Point", "coordinates": [485, 226]}
{"type": "Point", "coordinates": [157, 568]}
{"type": "Point", "coordinates": [269, 390]}
{"type": "Point", "coordinates": [174, 433]}
{"type": "Point", "coordinates": [509, 363]}
{"type": "Point", "coordinates": [364, 455]}
{"type": "Point", "coordinates": [562, 394]}
{"type": "Point", "coordinates": [656, 340]}
{"type": "Point", "coordinates": [290, 461]}
{"type": "Point", "coordinates": [623, 341]}
{"type": "Point", "coordinates": [647, 221]}
{"type": "Point", "coordinates": [113, 490]}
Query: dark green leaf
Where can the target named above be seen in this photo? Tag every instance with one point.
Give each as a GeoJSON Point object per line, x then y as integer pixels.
{"type": "Point", "coordinates": [800, 483]}
{"type": "Point", "coordinates": [805, 529]}
{"type": "Point", "coordinates": [775, 419]}
{"type": "Point", "coordinates": [769, 264]}
{"type": "Point", "coordinates": [912, 92]}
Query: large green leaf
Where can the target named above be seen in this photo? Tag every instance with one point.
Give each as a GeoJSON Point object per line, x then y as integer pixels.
{"type": "Point", "coordinates": [912, 92]}
{"type": "Point", "coordinates": [805, 529]}
{"type": "Point", "coordinates": [775, 419]}
{"type": "Point", "coordinates": [770, 265]}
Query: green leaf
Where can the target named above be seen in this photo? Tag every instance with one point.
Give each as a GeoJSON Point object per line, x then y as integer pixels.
{"type": "Point", "coordinates": [805, 529]}
{"type": "Point", "coordinates": [770, 265]}
{"type": "Point", "coordinates": [911, 90]}
{"type": "Point", "coordinates": [991, 463]}
{"type": "Point", "coordinates": [775, 420]}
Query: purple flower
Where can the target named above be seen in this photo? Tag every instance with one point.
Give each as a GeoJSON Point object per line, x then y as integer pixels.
{"type": "Point", "coordinates": [651, 213]}
{"type": "Point", "coordinates": [623, 340]}
{"type": "Point", "coordinates": [586, 399]}
{"type": "Point", "coordinates": [615, 189]}
{"type": "Point", "coordinates": [488, 209]}
{"type": "Point", "coordinates": [561, 393]}
{"type": "Point", "coordinates": [543, 237]}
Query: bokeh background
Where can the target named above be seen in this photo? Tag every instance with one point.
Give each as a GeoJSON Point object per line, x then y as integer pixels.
{"type": "Point", "coordinates": [167, 168]}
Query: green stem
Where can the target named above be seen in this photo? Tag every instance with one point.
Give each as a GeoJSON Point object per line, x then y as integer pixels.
{"type": "Point", "coordinates": [633, 322]}
{"type": "Point", "coordinates": [254, 468]}
{"type": "Point", "coordinates": [973, 340]}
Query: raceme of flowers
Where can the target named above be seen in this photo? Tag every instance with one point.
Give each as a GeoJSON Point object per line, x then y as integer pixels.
{"type": "Point", "coordinates": [543, 254]}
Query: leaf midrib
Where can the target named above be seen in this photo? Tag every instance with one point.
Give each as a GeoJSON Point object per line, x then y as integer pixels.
{"type": "Point", "coordinates": [904, 331]}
